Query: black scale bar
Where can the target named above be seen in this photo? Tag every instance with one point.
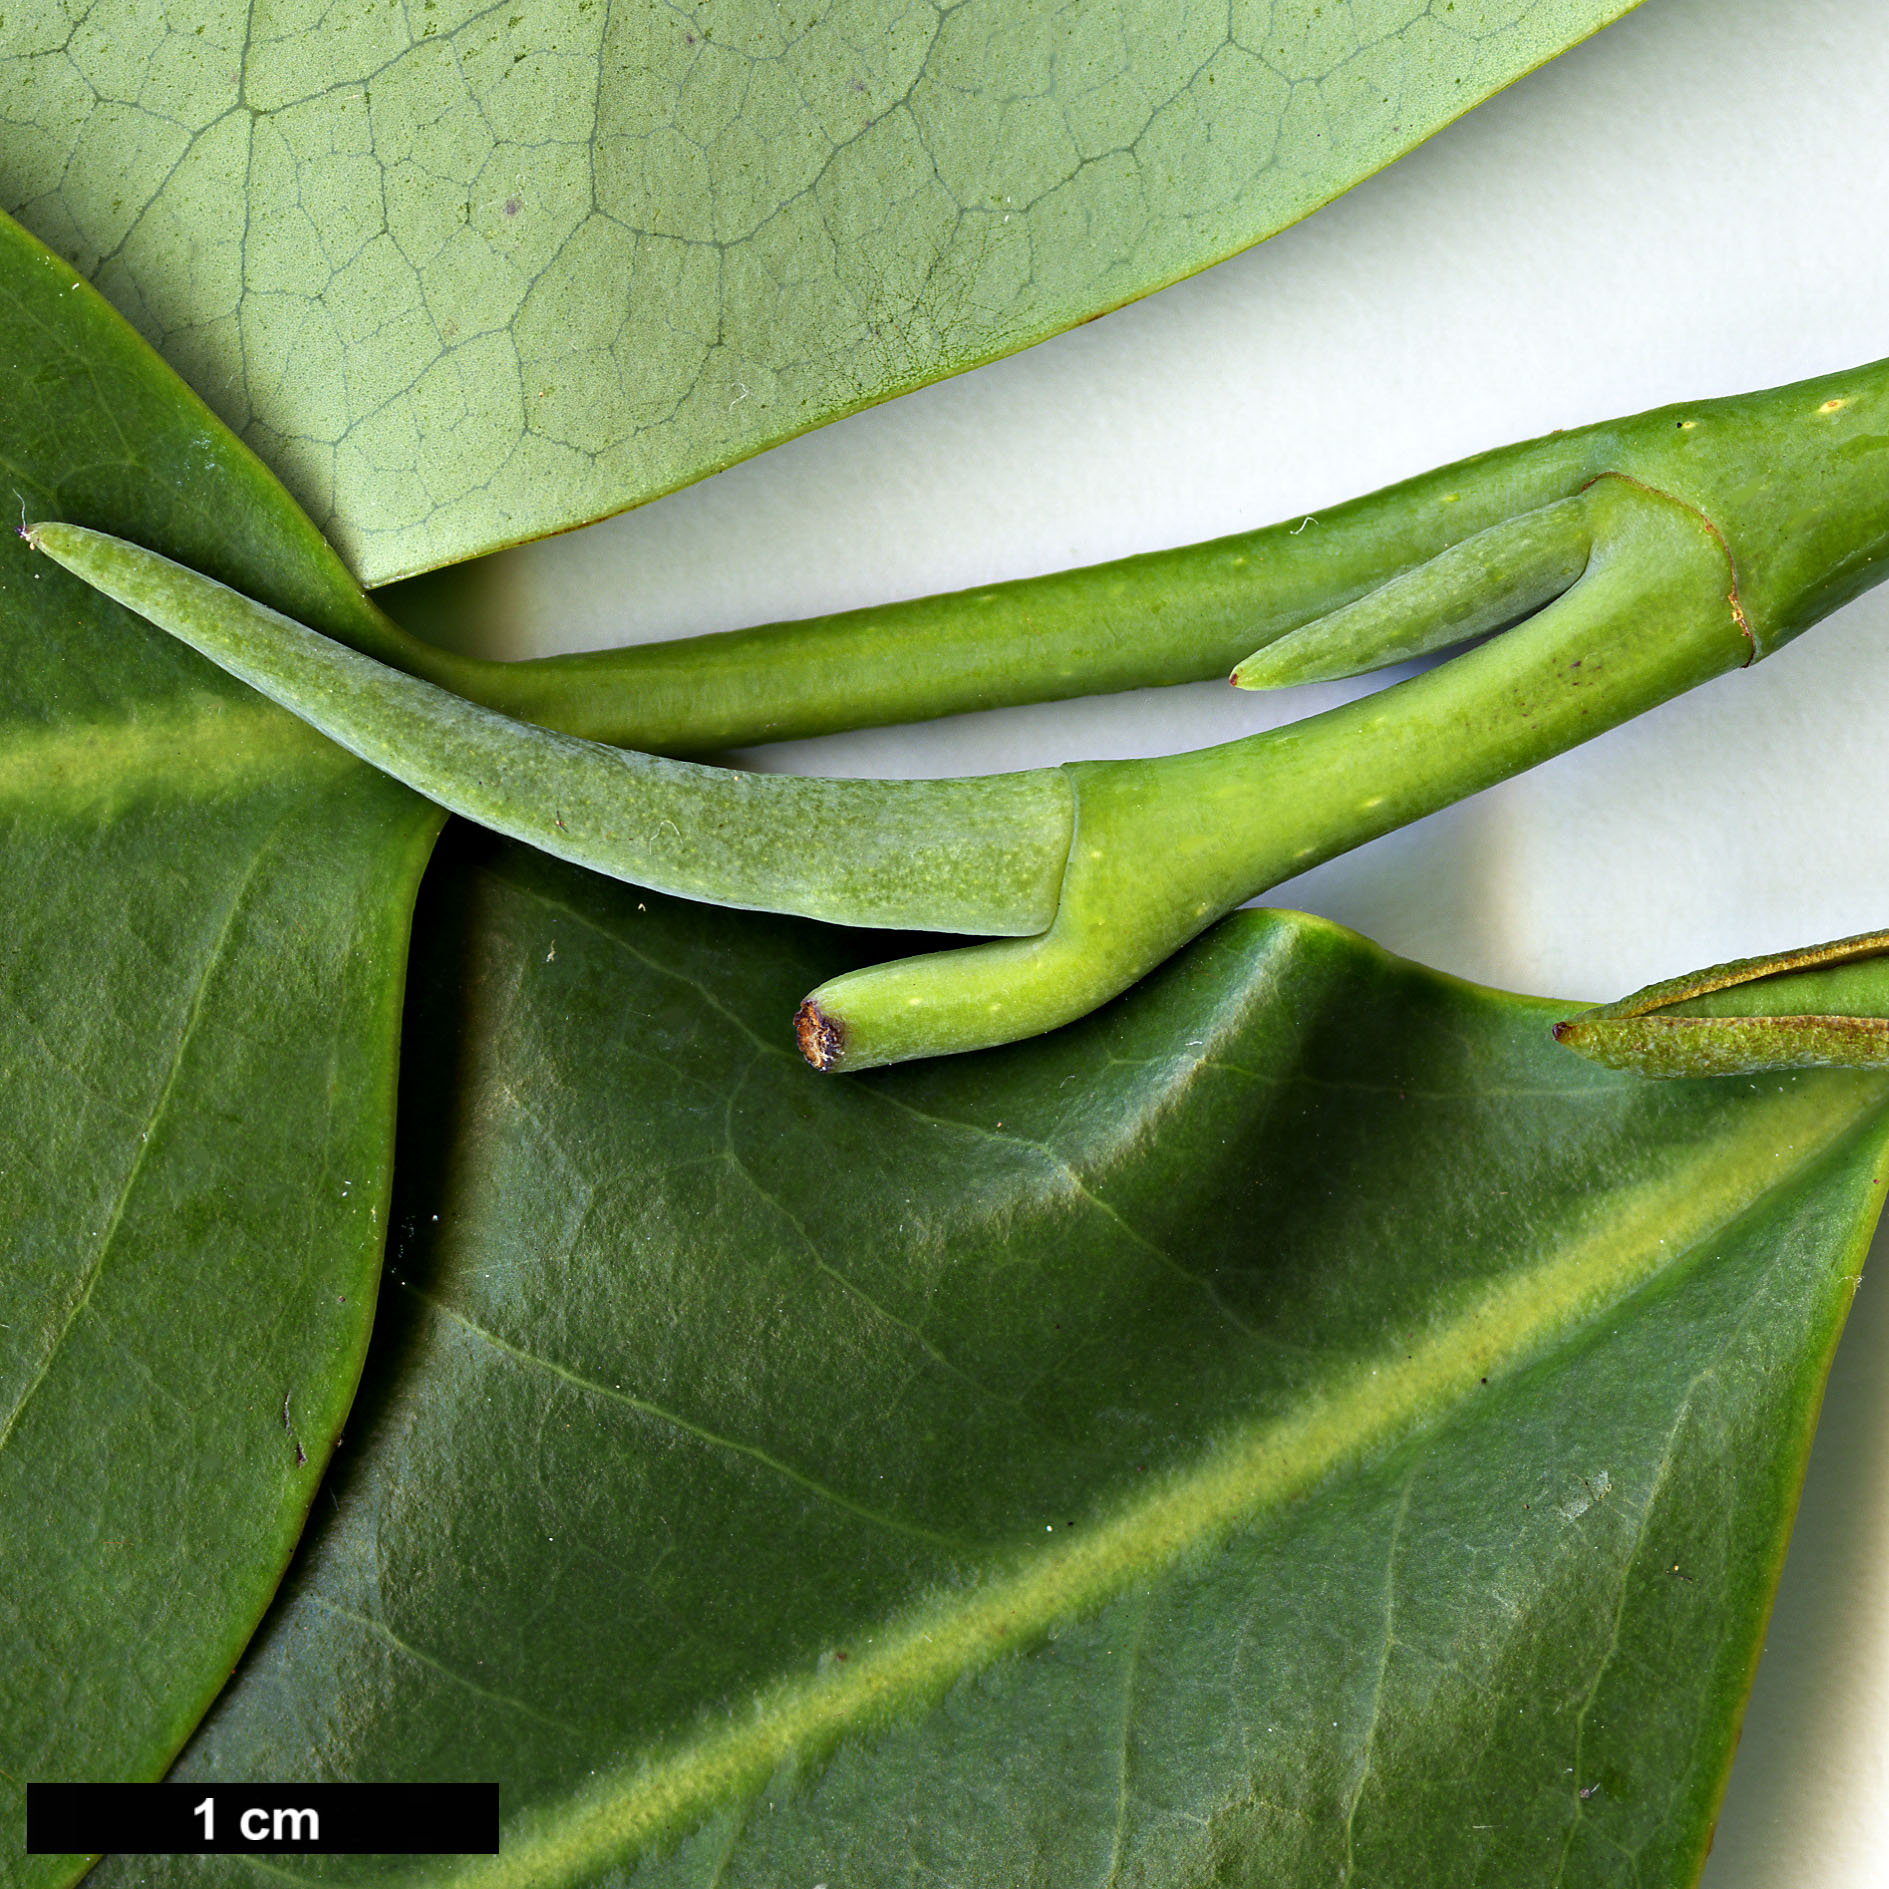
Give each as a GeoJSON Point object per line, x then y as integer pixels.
{"type": "Point", "coordinates": [262, 1819]}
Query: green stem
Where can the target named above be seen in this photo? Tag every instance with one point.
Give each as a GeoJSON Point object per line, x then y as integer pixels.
{"type": "Point", "coordinates": [1795, 476]}
{"type": "Point", "coordinates": [1184, 615]}
{"type": "Point", "coordinates": [1689, 541]}
{"type": "Point", "coordinates": [1162, 848]}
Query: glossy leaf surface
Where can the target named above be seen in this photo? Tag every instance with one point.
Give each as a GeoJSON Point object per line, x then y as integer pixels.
{"type": "Point", "coordinates": [1298, 1425]}
{"type": "Point", "coordinates": [203, 923]}
{"type": "Point", "coordinates": [465, 274]}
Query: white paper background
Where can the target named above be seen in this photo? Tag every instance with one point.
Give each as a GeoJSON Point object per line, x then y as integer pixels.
{"type": "Point", "coordinates": [1696, 202]}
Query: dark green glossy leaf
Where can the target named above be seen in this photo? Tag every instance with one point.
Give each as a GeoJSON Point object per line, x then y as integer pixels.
{"type": "Point", "coordinates": [1297, 1426]}
{"type": "Point", "coordinates": [201, 958]}
{"type": "Point", "coordinates": [466, 275]}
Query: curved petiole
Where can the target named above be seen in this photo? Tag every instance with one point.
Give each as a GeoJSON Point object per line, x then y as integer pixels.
{"type": "Point", "coordinates": [982, 855]}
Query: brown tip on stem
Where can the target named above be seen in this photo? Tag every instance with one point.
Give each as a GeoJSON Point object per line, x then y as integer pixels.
{"type": "Point", "coordinates": [822, 1039]}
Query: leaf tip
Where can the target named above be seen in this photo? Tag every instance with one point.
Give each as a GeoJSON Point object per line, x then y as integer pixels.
{"type": "Point", "coordinates": [822, 1038]}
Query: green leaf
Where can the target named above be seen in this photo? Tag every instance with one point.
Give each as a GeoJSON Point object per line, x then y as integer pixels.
{"type": "Point", "coordinates": [467, 275]}
{"type": "Point", "coordinates": [1297, 1425]}
{"type": "Point", "coordinates": [203, 930]}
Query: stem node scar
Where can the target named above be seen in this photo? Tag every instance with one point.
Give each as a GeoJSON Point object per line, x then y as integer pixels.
{"type": "Point", "coordinates": [822, 1041]}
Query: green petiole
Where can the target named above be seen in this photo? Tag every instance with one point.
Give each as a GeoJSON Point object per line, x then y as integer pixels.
{"type": "Point", "coordinates": [1654, 553]}
{"type": "Point", "coordinates": [982, 855]}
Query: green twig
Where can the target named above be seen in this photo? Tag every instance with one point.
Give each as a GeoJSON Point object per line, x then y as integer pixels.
{"type": "Point", "coordinates": [1654, 553]}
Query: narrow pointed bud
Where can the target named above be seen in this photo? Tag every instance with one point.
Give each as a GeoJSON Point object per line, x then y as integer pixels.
{"type": "Point", "coordinates": [1820, 1007]}
{"type": "Point", "coordinates": [1483, 582]}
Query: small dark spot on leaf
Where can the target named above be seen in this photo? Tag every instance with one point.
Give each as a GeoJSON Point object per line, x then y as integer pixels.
{"type": "Point", "coordinates": [512, 206]}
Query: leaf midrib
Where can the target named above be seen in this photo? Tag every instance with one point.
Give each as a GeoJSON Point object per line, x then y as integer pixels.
{"type": "Point", "coordinates": [81, 1298]}
{"type": "Point", "coordinates": [201, 747]}
{"type": "Point", "coordinates": [1639, 1233]}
